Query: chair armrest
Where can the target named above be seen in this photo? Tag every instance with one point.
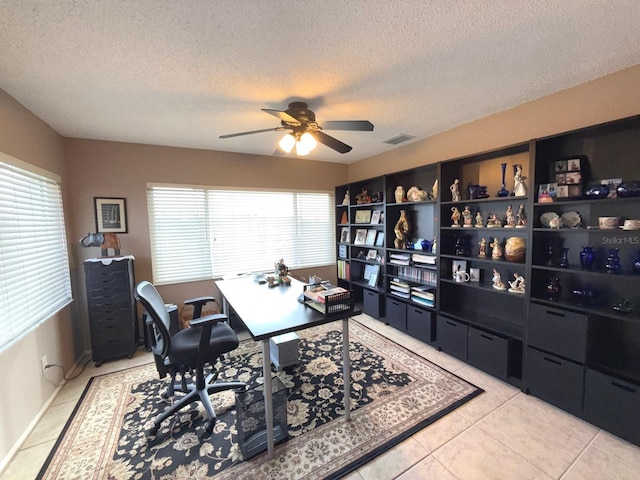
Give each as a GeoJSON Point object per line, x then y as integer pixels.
{"type": "Point", "coordinates": [203, 300]}
{"type": "Point", "coordinates": [209, 319]}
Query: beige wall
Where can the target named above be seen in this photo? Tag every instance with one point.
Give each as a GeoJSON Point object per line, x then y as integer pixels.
{"type": "Point", "coordinates": [608, 98]}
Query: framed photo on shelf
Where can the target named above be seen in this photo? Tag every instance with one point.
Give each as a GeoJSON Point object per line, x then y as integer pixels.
{"type": "Point", "coordinates": [371, 237]}
{"type": "Point", "coordinates": [342, 251]}
{"type": "Point", "coordinates": [380, 239]}
{"type": "Point", "coordinates": [375, 216]}
{"type": "Point", "coordinates": [361, 236]}
{"type": "Point", "coordinates": [370, 270]}
{"type": "Point", "coordinates": [373, 280]}
{"type": "Point", "coordinates": [612, 183]}
{"type": "Point", "coordinates": [111, 215]}
{"type": "Point", "coordinates": [547, 192]}
{"type": "Point", "coordinates": [363, 216]}
{"type": "Point", "coordinates": [344, 235]}
{"type": "Point", "coordinates": [372, 254]}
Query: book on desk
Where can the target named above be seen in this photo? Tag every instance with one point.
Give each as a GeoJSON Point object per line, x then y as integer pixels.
{"type": "Point", "coordinates": [327, 299]}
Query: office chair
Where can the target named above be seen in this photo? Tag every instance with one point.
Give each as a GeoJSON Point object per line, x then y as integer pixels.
{"type": "Point", "coordinates": [189, 350]}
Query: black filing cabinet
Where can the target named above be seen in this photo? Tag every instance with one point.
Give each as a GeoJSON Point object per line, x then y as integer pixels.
{"type": "Point", "coordinates": [111, 307]}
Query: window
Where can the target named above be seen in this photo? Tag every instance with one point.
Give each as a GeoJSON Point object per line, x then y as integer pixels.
{"type": "Point", "coordinates": [202, 233]}
{"type": "Point", "coordinates": [34, 263]}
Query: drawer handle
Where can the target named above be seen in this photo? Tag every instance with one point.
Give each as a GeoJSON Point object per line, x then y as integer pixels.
{"type": "Point", "coordinates": [551, 360]}
{"type": "Point", "coordinates": [555, 314]}
{"type": "Point", "coordinates": [451, 323]}
{"type": "Point", "coordinates": [624, 387]}
{"type": "Point", "coordinates": [486, 336]}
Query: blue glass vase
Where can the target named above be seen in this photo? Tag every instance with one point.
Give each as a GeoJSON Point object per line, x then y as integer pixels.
{"type": "Point", "coordinates": [613, 261]}
{"type": "Point", "coordinates": [503, 192]}
{"type": "Point", "coordinates": [586, 258]}
{"type": "Point", "coordinates": [636, 265]}
{"type": "Point", "coordinates": [564, 261]}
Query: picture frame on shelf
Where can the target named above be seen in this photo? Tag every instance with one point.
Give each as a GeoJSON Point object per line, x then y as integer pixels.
{"type": "Point", "coordinates": [111, 215]}
{"type": "Point", "coordinates": [342, 251]}
{"type": "Point", "coordinates": [380, 239]}
{"type": "Point", "coordinates": [373, 280]}
{"type": "Point", "coordinates": [372, 254]}
{"type": "Point", "coordinates": [371, 237]}
{"type": "Point", "coordinates": [370, 270]}
{"type": "Point", "coordinates": [375, 216]}
{"type": "Point", "coordinates": [344, 235]}
{"type": "Point", "coordinates": [361, 236]}
{"type": "Point", "coordinates": [363, 216]}
{"type": "Point", "coordinates": [612, 183]}
{"type": "Point", "coordinates": [547, 192]}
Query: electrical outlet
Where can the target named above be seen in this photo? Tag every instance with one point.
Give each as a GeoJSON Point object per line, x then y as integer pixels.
{"type": "Point", "coordinates": [44, 362]}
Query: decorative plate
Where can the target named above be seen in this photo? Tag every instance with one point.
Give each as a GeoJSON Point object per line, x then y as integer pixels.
{"type": "Point", "coordinates": [545, 218]}
{"type": "Point", "coordinates": [571, 219]}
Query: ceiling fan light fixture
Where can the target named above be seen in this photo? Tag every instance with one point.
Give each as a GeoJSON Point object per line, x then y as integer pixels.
{"type": "Point", "coordinates": [287, 143]}
{"type": "Point", "coordinates": [305, 144]}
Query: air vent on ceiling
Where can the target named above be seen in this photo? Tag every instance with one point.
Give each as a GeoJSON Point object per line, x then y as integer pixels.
{"type": "Point", "coordinates": [403, 137]}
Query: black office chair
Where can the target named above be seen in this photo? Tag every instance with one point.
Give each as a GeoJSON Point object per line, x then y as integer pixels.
{"type": "Point", "coordinates": [190, 350]}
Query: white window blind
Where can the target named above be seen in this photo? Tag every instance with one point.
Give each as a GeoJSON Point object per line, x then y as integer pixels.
{"type": "Point", "coordinates": [34, 263]}
{"type": "Point", "coordinates": [238, 231]}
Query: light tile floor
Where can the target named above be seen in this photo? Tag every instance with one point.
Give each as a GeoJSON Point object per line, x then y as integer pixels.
{"type": "Point", "coordinates": [501, 434]}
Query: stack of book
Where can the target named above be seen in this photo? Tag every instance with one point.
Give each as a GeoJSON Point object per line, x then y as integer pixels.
{"type": "Point", "coordinates": [399, 288]}
{"type": "Point", "coordinates": [424, 295]}
{"type": "Point", "coordinates": [344, 270]}
{"type": "Point", "coordinates": [399, 258]}
{"type": "Point", "coordinates": [420, 259]}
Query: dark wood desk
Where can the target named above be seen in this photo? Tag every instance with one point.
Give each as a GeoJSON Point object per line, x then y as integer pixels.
{"type": "Point", "coordinates": [267, 312]}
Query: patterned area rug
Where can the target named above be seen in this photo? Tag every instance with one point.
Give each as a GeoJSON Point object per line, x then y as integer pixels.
{"type": "Point", "coordinates": [394, 394]}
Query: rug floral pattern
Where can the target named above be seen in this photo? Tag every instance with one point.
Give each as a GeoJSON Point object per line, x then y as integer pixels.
{"type": "Point", "coordinates": [394, 393]}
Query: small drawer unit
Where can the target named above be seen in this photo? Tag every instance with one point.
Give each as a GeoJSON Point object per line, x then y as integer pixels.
{"type": "Point", "coordinates": [396, 315]}
{"type": "Point", "coordinates": [373, 303]}
{"type": "Point", "coordinates": [495, 354]}
{"type": "Point", "coordinates": [420, 324]}
{"type": "Point", "coordinates": [555, 380]}
{"type": "Point", "coordinates": [451, 336]}
{"type": "Point", "coordinates": [613, 404]}
{"type": "Point", "coordinates": [113, 321]}
{"type": "Point", "coordinates": [558, 331]}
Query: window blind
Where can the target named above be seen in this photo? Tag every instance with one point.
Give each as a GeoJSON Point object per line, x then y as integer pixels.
{"type": "Point", "coordinates": [34, 264]}
{"type": "Point", "coordinates": [239, 231]}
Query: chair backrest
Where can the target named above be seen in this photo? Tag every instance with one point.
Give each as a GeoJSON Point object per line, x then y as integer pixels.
{"type": "Point", "coordinates": [152, 302]}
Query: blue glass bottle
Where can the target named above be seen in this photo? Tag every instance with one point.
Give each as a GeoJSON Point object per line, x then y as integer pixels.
{"type": "Point", "coordinates": [564, 262]}
{"type": "Point", "coordinates": [586, 258]}
{"type": "Point", "coordinates": [613, 261]}
{"type": "Point", "coordinates": [503, 192]}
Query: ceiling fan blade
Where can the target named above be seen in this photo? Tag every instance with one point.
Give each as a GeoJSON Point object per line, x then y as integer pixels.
{"type": "Point", "coordinates": [331, 142]}
{"type": "Point", "coordinates": [354, 125]}
{"type": "Point", "coordinates": [284, 116]}
{"type": "Point", "coordinates": [252, 132]}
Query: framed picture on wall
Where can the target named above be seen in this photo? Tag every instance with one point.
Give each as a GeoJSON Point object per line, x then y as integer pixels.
{"type": "Point", "coordinates": [111, 215]}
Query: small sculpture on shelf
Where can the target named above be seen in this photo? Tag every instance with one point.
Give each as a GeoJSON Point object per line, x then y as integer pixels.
{"type": "Point", "coordinates": [518, 284]}
{"type": "Point", "coordinates": [493, 221]}
{"type": "Point", "coordinates": [510, 218]}
{"type": "Point", "coordinates": [479, 220]}
{"type": "Point", "coordinates": [414, 194]}
{"type": "Point", "coordinates": [455, 217]}
{"type": "Point", "coordinates": [433, 195]}
{"type": "Point", "coordinates": [402, 229]}
{"type": "Point", "coordinates": [483, 248]}
{"type": "Point", "coordinates": [345, 200]}
{"type": "Point", "coordinates": [399, 194]}
{"type": "Point", "coordinates": [521, 217]}
{"type": "Point", "coordinates": [519, 188]}
{"type": "Point", "coordinates": [496, 281]}
{"type": "Point", "coordinates": [455, 190]}
{"type": "Point", "coordinates": [363, 197]}
{"type": "Point", "coordinates": [496, 249]}
{"type": "Point", "coordinates": [467, 217]}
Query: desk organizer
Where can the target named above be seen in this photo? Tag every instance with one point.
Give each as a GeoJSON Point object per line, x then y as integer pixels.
{"type": "Point", "coordinates": [251, 422]}
{"type": "Point", "coordinates": [328, 301]}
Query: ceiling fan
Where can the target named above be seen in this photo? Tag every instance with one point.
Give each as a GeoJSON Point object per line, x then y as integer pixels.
{"type": "Point", "coordinates": [305, 131]}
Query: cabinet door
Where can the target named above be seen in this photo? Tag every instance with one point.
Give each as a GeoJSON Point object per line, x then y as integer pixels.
{"type": "Point", "coordinates": [396, 314]}
{"type": "Point", "coordinates": [613, 404]}
{"type": "Point", "coordinates": [452, 337]}
{"type": "Point", "coordinates": [420, 323]}
{"type": "Point", "coordinates": [558, 331]}
{"type": "Point", "coordinates": [555, 380]}
{"type": "Point", "coordinates": [493, 353]}
{"type": "Point", "coordinates": [372, 303]}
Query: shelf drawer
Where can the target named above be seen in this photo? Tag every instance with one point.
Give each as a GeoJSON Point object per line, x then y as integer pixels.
{"type": "Point", "coordinates": [396, 314]}
{"type": "Point", "coordinates": [420, 324]}
{"type": "Point", "coordinates": [557, 381]}
{"type": "Point", "coordinates": [558, 331]}
{"type": "Point", "coordinates": [493, 353]}
{"type": "Point", "coordinates": [613, 404]}
{"type": "Point", "coordinates": [451, 336]}
{"type": "Point", "coordinates": [373, 303]}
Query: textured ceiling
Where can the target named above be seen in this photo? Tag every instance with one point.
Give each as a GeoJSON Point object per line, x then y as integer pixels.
{"type": "Point", "coordinates": [184, 72]}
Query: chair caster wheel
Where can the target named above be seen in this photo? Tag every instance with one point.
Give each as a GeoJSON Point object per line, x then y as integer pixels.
{"type": "Point", "coordinates": [210, 425]}
{"type": "Point", "coordinates": [153, 430]}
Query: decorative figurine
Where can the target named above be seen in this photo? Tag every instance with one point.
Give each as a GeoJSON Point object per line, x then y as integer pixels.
{"type": "Point", "coordinates": [510, 218]}
{"type": "Point", "coordinates": [399, 194]}
{"type": "Point", "coordinates": [345, 200]}
{"type": "Point", "coordinates": [363, 197]}
{"type": "Point", "coordinates": [483, 248]}
{"type": "Point", "coordinates": [282, 273]}
{"type": "Point", "coordinates": [521, 217]}
{"type": "Point", "coordinates": [467, 217]}
{"type": "Point", "coordinates": [455, 217]}
{"type": "Point", "coordinates": [455, 191]}
{"type": "Point", "coordinates": [434, 190]}
{"type": "Point", "coordinates": [479, 220]}
{"type": "Point", "coordinates": [497, 280]}
{"type": "Point", "coordinates": [518, 285]}
{"type": "Point", "coordinates": [493, 221]}
{"type": "Point", "coordinates": [416, 195]}
{"type": "Point", "coordinates": [496, 249]}
{"type": "Point", "coordinates": [519, 188]}
{"type": "Point", "coordinates": [402, 230]}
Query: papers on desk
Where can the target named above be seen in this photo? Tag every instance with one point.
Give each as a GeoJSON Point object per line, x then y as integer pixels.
{"type": "Point", "coordinates": [327, 299]}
